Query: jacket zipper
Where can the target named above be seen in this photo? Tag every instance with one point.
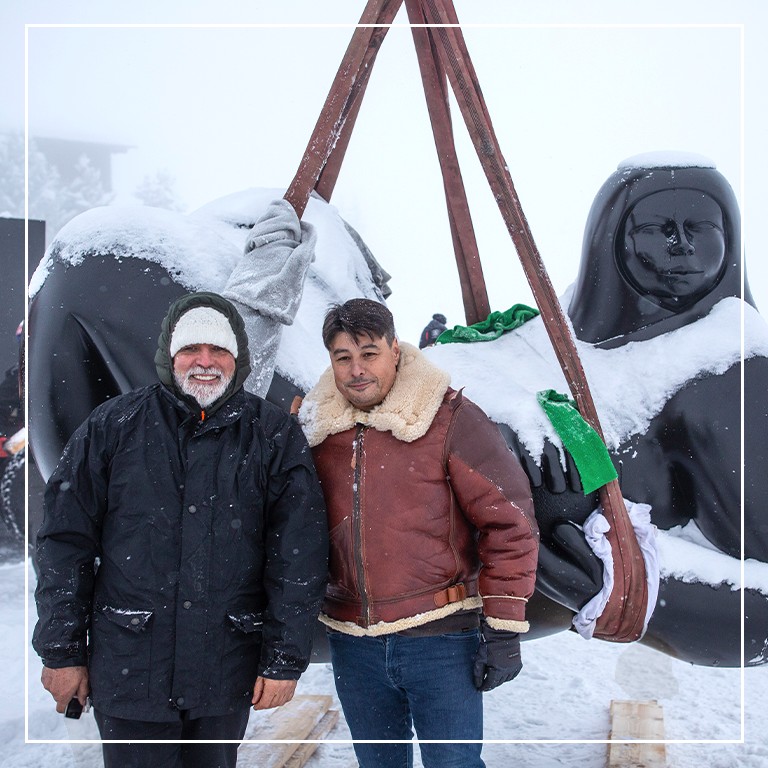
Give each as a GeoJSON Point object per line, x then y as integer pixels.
{"type": "Point", "coordinates": [357, 526]}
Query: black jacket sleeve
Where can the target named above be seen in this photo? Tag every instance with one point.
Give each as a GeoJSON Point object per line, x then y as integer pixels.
{"type": "Point", "coordinates": [68, 545]}
{"type": "Point", "coordinates": [296, 555]}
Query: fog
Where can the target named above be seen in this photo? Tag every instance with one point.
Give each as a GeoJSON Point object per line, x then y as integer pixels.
{"type": "Point", "coordinates": [224, 97]}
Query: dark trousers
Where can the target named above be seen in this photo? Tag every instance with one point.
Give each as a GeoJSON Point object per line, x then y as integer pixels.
{"type": "Point", "coordinates": [181, 755]}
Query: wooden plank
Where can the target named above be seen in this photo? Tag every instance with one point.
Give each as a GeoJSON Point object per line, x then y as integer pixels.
{"type": "Point", "coordinates": [299, 758]}
{"type": "Point", "coordinates": [286, 726]}
{"type": "Point", "coordinates": [637, 720]}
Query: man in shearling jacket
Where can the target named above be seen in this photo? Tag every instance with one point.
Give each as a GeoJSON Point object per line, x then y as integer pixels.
{"type": "Point", "coordinates": [433, 544]}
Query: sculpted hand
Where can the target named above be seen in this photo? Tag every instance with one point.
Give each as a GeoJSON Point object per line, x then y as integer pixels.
{"type": "Point", "coordinates": [268, 693]}
{"type": "Point", "coordinates": [65, 683]}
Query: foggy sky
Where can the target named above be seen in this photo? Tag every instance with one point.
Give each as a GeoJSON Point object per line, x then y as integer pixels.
{"type": "Point", "coordinates": [223, 108]}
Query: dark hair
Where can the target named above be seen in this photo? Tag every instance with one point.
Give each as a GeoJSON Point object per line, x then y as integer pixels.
{"type": "Point", "coordinates": [358, 317]}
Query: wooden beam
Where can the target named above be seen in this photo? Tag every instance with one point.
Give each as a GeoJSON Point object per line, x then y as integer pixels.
{"type": "Point", "coordinates": [340, 109]}
{"type": "Point", "coordinates": [642, 721]}
{"type": "Point", "coordinates": [623, 617]}
{"type": "Point", "coordinates": [299, 758]}
{"type": "Point", "coordinates": [471, 279]}
{"type": "Point", "coordinates": [283, 729]}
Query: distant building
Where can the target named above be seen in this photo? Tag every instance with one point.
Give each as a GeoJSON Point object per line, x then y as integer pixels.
{"type": "Point", "coordinates": [65, 154]}
{"type": "Point", "coordinates": [66, 177]}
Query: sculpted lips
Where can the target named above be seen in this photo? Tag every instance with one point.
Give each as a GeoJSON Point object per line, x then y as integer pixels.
{"type": "Point", "coordinates": [668, 271]}
{"type": "Point", "coordinates": [681, 272]}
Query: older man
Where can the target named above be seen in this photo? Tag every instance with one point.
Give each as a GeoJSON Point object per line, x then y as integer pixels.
{"type": "Point", "coordinates": [183, 553]}
{"type": "Point", "coordinates": [433, 544]}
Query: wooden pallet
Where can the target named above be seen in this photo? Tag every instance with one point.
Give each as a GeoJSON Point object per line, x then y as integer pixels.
{"type": "Point", "coordinates": [303, 718]}
{"type": "Point", "coordinates": [637, 720]}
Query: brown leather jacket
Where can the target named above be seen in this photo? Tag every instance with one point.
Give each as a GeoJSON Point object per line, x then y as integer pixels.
{"type": "Point", "coordinates": [429, 512]}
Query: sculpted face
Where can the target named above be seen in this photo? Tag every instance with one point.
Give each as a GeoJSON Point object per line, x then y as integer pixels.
{"type": "Point", "coordinates": [203, 371]}
{"type": "Point", "coordinates": [365, 369]}
{"type": "Point", "coordinates": [674, 247]}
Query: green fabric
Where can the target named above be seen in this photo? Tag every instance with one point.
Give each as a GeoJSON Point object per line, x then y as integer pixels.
{"type": "Point", "coordinates": [491, 328]}
{"type": "Point", "coordinates": [580, 440]}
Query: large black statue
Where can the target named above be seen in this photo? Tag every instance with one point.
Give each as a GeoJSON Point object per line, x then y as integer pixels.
{"type": "Point", "coordinates": [657, 311]}
{"type": "Point", "coordinates": [662, 253]}
{"type": "Point", "coordinates": [109, 277]}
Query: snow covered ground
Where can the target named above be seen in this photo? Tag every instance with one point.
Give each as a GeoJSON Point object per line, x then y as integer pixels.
{"type": "Point", "coordinates": [563, 694]}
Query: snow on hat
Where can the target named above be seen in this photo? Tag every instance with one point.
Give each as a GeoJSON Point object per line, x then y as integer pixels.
{"type": "Point", "coordinates": [203, 325]}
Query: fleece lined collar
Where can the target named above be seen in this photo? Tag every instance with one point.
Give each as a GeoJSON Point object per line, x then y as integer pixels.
{"type": "Point", "coordinates": [407, 411]}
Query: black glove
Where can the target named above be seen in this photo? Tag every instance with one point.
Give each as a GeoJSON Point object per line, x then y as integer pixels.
{"type": "Point", "coordinates": [497, 659]}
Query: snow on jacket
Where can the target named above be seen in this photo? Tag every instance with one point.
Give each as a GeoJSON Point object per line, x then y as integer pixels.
{"type": "Point", "coordinates": [429, 512]}
{"type": "Point", "coordinates": [181, 557]}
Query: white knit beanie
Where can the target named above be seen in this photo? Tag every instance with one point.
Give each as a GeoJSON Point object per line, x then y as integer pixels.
{"type": "Point", "coordinates": [203, 325]}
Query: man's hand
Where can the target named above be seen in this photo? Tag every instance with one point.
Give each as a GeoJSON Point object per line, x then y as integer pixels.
{"type": "Point", "coordinates": [498, 659]}
{"type": "Point", "coordinates": [268, 693]}
{"type": "Point", "coordinates": [65, 683]}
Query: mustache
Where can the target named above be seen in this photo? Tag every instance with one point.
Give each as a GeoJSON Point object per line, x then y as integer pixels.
{"type": "Point", "coordinates": [201, 370]}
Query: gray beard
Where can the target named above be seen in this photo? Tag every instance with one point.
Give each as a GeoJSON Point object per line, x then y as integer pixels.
{"type": "Point", "coordinates": [204, 394]}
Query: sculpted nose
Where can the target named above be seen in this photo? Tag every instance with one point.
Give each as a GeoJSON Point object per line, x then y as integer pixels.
{"type": "Point", "coordinates": [681, 245]}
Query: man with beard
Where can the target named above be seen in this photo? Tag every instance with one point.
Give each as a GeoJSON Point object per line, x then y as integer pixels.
{"type": "Point", "coordinates": [183, 553]}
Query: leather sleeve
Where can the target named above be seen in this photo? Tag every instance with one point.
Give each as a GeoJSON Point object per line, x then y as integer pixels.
{"type": "Point", "coordinates": [494, 495]}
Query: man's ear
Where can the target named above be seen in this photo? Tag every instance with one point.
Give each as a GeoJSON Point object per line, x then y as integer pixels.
{"type": "Point", "coordinates": [396, 350]}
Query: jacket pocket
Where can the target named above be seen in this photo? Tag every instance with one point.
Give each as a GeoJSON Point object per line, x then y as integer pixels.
{"type": "Point", "coordinates": [121, 654]}
{"type": "Point", "coordinates": [341, 562]}
{"type": "Point", "coordinates": [242, 652]}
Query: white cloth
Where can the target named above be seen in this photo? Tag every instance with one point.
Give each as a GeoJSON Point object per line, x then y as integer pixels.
{"type": "Point", "coordinates": [595, 528]}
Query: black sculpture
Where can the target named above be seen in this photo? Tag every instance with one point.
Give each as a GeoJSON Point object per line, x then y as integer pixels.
{"type": "Point", "coordinates": [661, 252]}
{"type": "Point", "coordinates": [97, 308]}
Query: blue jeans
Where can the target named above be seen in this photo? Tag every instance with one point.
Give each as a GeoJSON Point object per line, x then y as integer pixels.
{"type": "Point", "coordinates": [388, 684]}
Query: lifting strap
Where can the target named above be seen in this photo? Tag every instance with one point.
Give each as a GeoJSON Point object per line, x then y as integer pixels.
{"type": "Point", "coordinates": [442, 54]}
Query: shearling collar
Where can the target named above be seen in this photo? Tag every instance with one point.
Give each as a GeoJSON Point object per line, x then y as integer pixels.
{"type": "Point", "coordinates": [407, 411]}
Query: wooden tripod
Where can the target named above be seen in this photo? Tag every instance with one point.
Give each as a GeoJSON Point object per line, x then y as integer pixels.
{"type": "Point", "coordinates": [443, 58]}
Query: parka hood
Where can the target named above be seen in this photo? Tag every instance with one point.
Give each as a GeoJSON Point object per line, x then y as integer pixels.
{"type": "Point", "coordinates": [609, 306]}
{"type": "Point", "coordinates": [164, 362]}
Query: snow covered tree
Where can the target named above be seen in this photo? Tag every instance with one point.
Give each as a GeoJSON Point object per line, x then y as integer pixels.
{"type": "Point", "coordinates": [159, 191]}
{"type": "Point", "coordinates": [50, 199]}
{"type": "Point", "coordinates": [85, 191]}
{"type": "Point", "coordinates": [12, 177]}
